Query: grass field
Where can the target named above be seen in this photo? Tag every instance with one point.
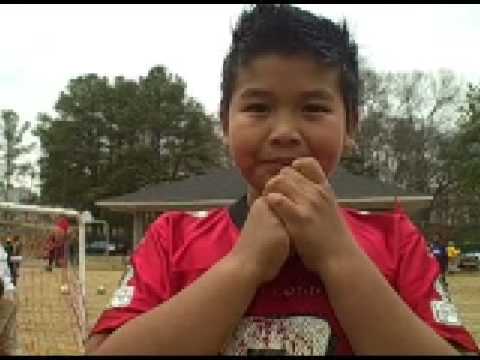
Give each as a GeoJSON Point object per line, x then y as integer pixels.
{"type": "Point", "coordinates": [46, 325]}
{"type": "Point", "coordinates": [465, 292]}
{"type": "Point", "coordinates": [97, 302]}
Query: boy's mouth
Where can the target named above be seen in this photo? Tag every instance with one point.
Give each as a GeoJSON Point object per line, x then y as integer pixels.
{"type": "Point", "coordinates": [273, 166]}
{"type": "Point", "coordinates": [280, 161]}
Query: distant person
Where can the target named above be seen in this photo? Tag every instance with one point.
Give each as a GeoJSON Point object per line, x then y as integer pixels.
{"type": "Point", "coordinates": [5, 275]}
{"type": "Point", "coordinates": [9, 250]}
{"type": "Point", "coordinates": [51, 252]}
{"type": "Point", "coordinates": [62, 243]}
{"type": "Point", "coordinates": [440, 251]}
{"type": "Point", "coordinates": [14, 252]}
{"type": "Point", "coordinates": [8, 326]}
{"type": "Point", "coordinates": [57, 245]}
{"type": "Point", "coordinates": [453, 257]}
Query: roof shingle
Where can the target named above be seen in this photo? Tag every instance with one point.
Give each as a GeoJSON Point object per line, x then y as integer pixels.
{"type": "Point", "coordinates": [228, 184]}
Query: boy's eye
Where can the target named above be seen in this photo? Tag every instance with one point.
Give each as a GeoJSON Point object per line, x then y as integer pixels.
{"type": "Point", "coordinates": [256, 108]}
{"type": "Point", "coordinates": [316, 108]}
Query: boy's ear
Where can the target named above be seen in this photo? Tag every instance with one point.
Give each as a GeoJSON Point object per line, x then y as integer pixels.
{"type": "Point", "coordinates": [224, 122]}
{"type": "Point", "coordinates": [352, 121]}
{"type": "Point", "coordinates": [225, 139]}
{"type": "Point", "coordinates": [349, 146]}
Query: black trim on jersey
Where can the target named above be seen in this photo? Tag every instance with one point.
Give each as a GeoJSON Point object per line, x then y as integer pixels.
{"type": "Point", "coordinates": [332, 344]}
{"type": "Point", "coordinates": [238, 212]}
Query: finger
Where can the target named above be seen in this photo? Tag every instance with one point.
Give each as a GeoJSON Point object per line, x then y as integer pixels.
{"type": "Point", "coordinates": [310, 168]}
{"type": "Point", "coordinates": [288, 182]}
{"type": "Point", "coordinates": [284, 209]}
{"type": "Point", "coordinates": [276, 215]}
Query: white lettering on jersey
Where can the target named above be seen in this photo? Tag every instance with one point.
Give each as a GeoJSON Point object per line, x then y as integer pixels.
{"type": "Point", "coordinates": [122, 297]}
{"type": "Point", "coordinates": [444, 311]}
{"type": "Point", "coordinates": [124, 294]}
{"type": "Point", "coordinates": [297, 335]}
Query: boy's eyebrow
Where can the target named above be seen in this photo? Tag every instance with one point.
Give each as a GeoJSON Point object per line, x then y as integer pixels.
{"type": "Point", "coordinates": [255, 92]}
{"type": "Point", "coordinates": [323, 94]}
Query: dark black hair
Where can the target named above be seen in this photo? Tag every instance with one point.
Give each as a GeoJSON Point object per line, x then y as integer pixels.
{"type": "Point", "coordinates": [287, 30]}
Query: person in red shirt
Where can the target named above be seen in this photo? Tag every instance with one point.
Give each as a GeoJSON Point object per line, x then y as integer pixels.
{"type": "Point", "coordinates": [56, 244]}
{"type": "Point", "coordinates": [284, 270]}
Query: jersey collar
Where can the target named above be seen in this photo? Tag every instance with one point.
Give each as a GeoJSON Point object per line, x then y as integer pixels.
{"type": "Point", "coordinates": [238, 212]}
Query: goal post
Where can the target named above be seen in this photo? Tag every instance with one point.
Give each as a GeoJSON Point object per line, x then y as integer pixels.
{"type": "Point", "coordinates": [76, 282]}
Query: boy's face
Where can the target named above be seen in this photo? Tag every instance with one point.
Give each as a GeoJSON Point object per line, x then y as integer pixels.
{"type": "Point", "coordinates": [282, 108]}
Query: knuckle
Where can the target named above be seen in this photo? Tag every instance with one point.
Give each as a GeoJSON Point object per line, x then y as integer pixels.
{"type": "Point", "coordinates": [274, 182]}
{"type": "Point", "coordinates": [317, 191]}
{"type": "Point", "coordinates": [304, 215]}
{"type": "Point", "coordinates": [285, 171]}
{"type": "Point", "coordinates": [300, 164]}
{"type": "Point", "coordinates": [310, 161]}
{"type": "Point", "coordinates": [268, 186]}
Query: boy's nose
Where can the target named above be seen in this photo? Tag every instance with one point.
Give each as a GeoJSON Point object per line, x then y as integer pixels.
{"type": "Point", "coordinates": [285, 133]}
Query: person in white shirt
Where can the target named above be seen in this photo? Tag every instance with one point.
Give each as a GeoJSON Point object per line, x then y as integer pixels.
{"type": "Point", "coordinates": [5, 274]}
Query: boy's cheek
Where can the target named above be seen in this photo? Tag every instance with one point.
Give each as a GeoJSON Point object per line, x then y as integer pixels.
{"type": "Point", "coordinates": [243, 151]}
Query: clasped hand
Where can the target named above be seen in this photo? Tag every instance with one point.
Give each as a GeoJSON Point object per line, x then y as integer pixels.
{"type": "Point", "coordinates": [297, 210]}
{"type": "Point", "coordinates": [304, 202]}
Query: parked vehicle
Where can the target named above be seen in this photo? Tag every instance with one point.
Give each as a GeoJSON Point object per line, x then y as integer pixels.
{"type": "Point", "coordinates": [470, 261]}
{"type": "Point", "coordinates": [102, 247]}
{"type": "Point", "coordinates": [99, 247]}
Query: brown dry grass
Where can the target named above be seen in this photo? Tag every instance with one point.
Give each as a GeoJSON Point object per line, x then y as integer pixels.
{"type": "Point", "coordinates": [45, 322]}
{"type": "Point", "coordinates": [97, 302]}
{"type": "Point", "coordinates": [46, 325]}
{"type": "Point", "coordinates": [465, 292]}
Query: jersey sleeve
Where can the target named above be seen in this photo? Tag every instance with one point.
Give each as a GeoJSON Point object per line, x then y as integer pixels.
{"type": "Point", "coordinates": [419, 284]}
{"type": "Point", "coordinates": [145, 283]}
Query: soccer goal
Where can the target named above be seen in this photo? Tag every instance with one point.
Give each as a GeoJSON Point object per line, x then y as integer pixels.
{"type": "Point", "coordinates": [73, 274]}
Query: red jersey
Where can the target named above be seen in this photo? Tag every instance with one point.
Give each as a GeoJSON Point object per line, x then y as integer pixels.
{"type": "Point", "coordinates": [290, 314]}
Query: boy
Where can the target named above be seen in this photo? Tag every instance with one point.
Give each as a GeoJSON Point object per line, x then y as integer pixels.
{"type": "Point", "coordinates": [14, 251]}
{"type": "Point", "coordinates": [284, 270]}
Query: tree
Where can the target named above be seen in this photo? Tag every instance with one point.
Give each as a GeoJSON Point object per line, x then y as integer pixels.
{"type": "Point", "coordinates": [372, 134]}
{"type": "Point", "coordinates": [468, 143]}
{"type": "Point", "coordinates": [464, 160]}
{"type": "Point", "coordinates": [111, 138]}
{"type": "Point", "coordinates": [13, 149]}
{"type": "Point", "coordinates": [405, 131]}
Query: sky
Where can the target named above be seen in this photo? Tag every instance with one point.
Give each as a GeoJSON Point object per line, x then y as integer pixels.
{"type": "Point", "coordinates": [43, 46]}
